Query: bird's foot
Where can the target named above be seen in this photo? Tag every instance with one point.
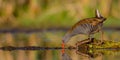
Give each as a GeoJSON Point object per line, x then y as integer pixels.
{"type": "Point", "coordinates": [99, 43]}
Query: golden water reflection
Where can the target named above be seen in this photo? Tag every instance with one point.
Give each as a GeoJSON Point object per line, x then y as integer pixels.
{"type": "Point", "coordinates": [52, 39]}
{"type": "Point", "coordinates": [56, 54]}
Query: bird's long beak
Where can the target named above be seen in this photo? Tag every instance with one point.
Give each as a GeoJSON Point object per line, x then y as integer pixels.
{"type": "Point", "coordinates": [63, 47]}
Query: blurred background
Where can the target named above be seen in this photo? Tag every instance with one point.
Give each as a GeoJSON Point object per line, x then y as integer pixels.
{"type": "Point", "coordinates": [52, 18]}
{"type": "Point", "coordinates": [48, 13]}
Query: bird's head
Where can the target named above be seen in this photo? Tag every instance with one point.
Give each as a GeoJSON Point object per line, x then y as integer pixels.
{"type": "Point", "coordinates": [99, 16]}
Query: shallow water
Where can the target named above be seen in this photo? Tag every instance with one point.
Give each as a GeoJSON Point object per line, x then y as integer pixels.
{"type": "Point", "coordinates": [53, 39]}
{"type": "Point", "coordinates": [57, 55]}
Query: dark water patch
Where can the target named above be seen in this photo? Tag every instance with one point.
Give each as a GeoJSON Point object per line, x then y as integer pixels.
{"type": "Point", "coordinates": [10, 48]}
{"type": "Point", "coordinates": [14, 30]}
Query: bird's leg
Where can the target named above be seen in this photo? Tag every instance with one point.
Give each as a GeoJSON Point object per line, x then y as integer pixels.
{"type": "Point", "coordinates": [101, 38]}
{"type": "Point", "coordinates": [90, 36]}
{"type": "Point", "coordinates": [101, 32]}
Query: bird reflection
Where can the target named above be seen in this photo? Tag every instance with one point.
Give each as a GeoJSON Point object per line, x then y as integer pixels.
{"type": "Point", "coordinates": [66, 57]}
{"type": "Point", "coordinates": [83, 54]}
{"type": "Point", "coordinates": [89, 53]}
{"type": "Point", "coordinates": [83, 50]}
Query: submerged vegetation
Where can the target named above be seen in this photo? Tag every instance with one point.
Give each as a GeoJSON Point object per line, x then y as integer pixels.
{"type": "Point", "coordinates": [96, 44]}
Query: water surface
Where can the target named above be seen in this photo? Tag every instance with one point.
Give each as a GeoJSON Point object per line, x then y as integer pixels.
{"type": "Point", "coordinates": [53, 39]}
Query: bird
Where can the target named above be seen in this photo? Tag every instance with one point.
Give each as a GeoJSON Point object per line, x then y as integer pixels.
{"type": "Point", "coordinates": [87, 26]}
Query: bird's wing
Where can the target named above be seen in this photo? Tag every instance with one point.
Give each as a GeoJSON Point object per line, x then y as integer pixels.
{"type": "Point", "coordinates": [85, 28]}
{"type": "Point", "coordinates": [82, 27]}
{"type": "Point", "coordinates": [79, 29]}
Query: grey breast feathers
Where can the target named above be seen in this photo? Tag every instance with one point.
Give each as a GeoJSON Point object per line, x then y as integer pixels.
{"type": "Point", "coordinates": [83, 29]}
{"type": "Point", "coordinates": [80, 29]}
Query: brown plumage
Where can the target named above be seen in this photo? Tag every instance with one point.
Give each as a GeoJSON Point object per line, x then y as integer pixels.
{"type": "Point", "coordinates": [87, 26]}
